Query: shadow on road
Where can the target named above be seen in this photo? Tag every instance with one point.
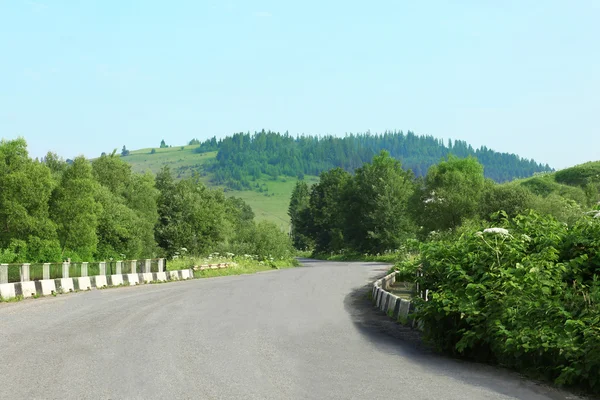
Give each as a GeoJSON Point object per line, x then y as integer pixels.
{"type": "Point", "coordinates": [393, 338]}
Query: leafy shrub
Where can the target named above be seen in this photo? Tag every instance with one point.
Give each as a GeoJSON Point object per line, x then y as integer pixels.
{"type": "Point", "coordinates": [511, 198]}
{"type": "Point", "coordinates": [525, 294]}
{"type": "Point", "coordinates": [563, 209]}
{"type": "Point", "coordinates": [263, 239]}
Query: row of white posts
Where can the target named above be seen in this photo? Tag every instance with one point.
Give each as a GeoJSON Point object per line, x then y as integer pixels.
{"type": "Point", "coordinates": [84, 269]}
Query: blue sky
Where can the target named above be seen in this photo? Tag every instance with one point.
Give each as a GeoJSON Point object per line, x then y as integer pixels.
{"type": "Point", "coordinates": [82, 77]}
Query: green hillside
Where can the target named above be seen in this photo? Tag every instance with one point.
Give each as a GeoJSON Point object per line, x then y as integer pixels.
{"type": "Point", "coordinates": [574, 180]}
{"type": "Point", "coordinates": [269, 201]}
{"type": "Point", "coordinates": [272, 205]}
{"type": "Point", "coordinates": [263, 168]}
{"type": "Point", "coordinates": [181, 159]}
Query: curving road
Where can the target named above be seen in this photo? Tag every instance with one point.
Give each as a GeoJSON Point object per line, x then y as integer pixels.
{"type": "Point", "coordinates": [303, 333]}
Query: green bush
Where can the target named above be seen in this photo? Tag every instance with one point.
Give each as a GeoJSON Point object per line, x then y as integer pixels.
{"type": "Point", "coordinates": [263, 239]}
{"type": "Point", "coordinates": [526, 296]}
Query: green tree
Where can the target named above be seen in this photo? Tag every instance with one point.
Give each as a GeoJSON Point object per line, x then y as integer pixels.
{"type": "Point", "coordinates": [510, 198]}
{"type": "Point", "coordinates": [327, 213]}
{"type": "Point", "coordinates": [163, 144]}
{"type": "Point", "coordinates": [124, 152]}
{"type": "Point", "coordinates": [449, 194]}
{"type": "Point", "coordinates": [25, 189]}
{"type": "Point", "coordinates": [129, 212]}
{"type": "Point", "coordinates": [75, 210]}
{"type": "Point", "coordinates": [377, 214]}
{"type": "Point", "coordinates": [239, 210]}
{"type": "Point", "coordinates": [299, 215]}
{"type": "Point", "coordinates": [190, 215]}
{"type": "Point", "coordinates": [56, 164]}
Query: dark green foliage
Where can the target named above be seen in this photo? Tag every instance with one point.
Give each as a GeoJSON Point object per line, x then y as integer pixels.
{"type": "Point", "coordinates": [263, 239]}
{"type": "Point", "coordinates": [243, 157]}
{"type": "Point", "coordinates": [129, 210]}
{"type": "Point", "coordinates": [163, 145]}
{"type": "Point", "coordinates": [364, 213]}
{"type": "Point", "coordinates": [86, 211]}
{"type": "Point", "coordinates": [528, 299]}
{"type": "Point", "coordinates": [75, 211]}
{"type": "Point", "coordinates": [25, 190]}
{"type": "Point", "coordinates": [201, 220]}
{"type": "Point", "coordinates": [239, 209]}
{"type": "Point", "coordinates": [208, 145]}
{"type": "Point", "coordinates": [510, 198]}
{"type": "Point", "coordinates": [326, 221]}
{"type": "Point", "coordinates": [153, 151]}
{"type": "Point", "coordinates": [124, 152]}
{"type": "Point", "coordinates": [297, 211]}
{"type": "Point", "coordinates": [378, 193]}
{"type": "Point", "coordinates": [449, 194]}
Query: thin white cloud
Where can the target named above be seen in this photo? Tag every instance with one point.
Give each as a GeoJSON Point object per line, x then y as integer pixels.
{"type": "Point", "coordinates": [263, 14]}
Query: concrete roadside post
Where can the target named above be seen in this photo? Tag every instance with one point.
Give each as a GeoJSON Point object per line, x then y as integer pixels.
{"type": "Point", "coordinates": [3, 273]}
{"type": "Point", "coordinates": [84, 269]}
{"type": "Point", "coordinates": [46, 271]}
{"type": "Point", "coordinates": [25, 272]}
{"type": "Point", "coordinates": [119, 270]}
{"type": "Point", "coordinates": [102, 268]}
{"type": "Point", "coordinates": [133, 266]}
{"type": "Point", "coordinates": [148, 266]}
{"type": "Point", "coordinates": [161, 265]}
{"type": "Point", "coordinates": [65, 270]}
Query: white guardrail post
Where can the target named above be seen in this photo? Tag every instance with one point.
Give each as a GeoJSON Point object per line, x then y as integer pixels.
{"type": "Point", "coordinates": [133, 266]}
{"type": "Point", "coordinates": [46, 271]}
{"type": "Point", "coordinates": [3, 273]}
{"type": "Point", "coordinates": [102, 268]}
{"type": "Point", "coordinates": [25, 272]}
{"type": "Point", "coordinates": [65, 270]}
{"type": "Point", "coordinates": [161, 265]}
{"type": "Point", "coordinates": [119, 270]}
{"type": "Point", "coordinates": [84, 269]}
{"type": "Point", "coordinates": [148, 266]}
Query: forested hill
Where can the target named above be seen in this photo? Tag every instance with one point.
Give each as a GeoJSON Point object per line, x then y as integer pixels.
{"type": "Point", "coordinates": [243, 157]}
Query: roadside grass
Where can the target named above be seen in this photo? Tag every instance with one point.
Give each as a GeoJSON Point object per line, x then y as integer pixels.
{"type": "Point", "coordinates": [304, 254]}
{"type": "Point", "coordinates": [12, 299]}
{"type": "Point", "coordinates": [238, 265]}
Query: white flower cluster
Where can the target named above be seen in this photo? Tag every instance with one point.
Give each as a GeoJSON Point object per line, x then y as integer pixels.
{"type": "Point", "coordinates": [497, 231]}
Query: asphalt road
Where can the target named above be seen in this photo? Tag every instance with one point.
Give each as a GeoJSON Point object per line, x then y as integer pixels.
{"type": "Point", "coordinates": [302, 333]}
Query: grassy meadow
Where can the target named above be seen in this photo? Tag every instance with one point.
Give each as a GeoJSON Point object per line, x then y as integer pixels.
{"type": "Point", "coordinates": [143, 160]}
{"type": "Point", "coordinates": [271, 205]}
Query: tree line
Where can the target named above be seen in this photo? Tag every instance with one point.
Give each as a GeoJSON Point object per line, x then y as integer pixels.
{"type": "Point", "coordinates": [51, 210]}
{"type": "Point", "coordinates": [512, 270]}
{"type": "Point", "coordinates": [243, 157]}
{"type": "Point", "coordinates": [382, 204]}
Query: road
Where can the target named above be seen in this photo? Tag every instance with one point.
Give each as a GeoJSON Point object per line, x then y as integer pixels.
{"type": "Point", "coordinates": [302, 333]}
